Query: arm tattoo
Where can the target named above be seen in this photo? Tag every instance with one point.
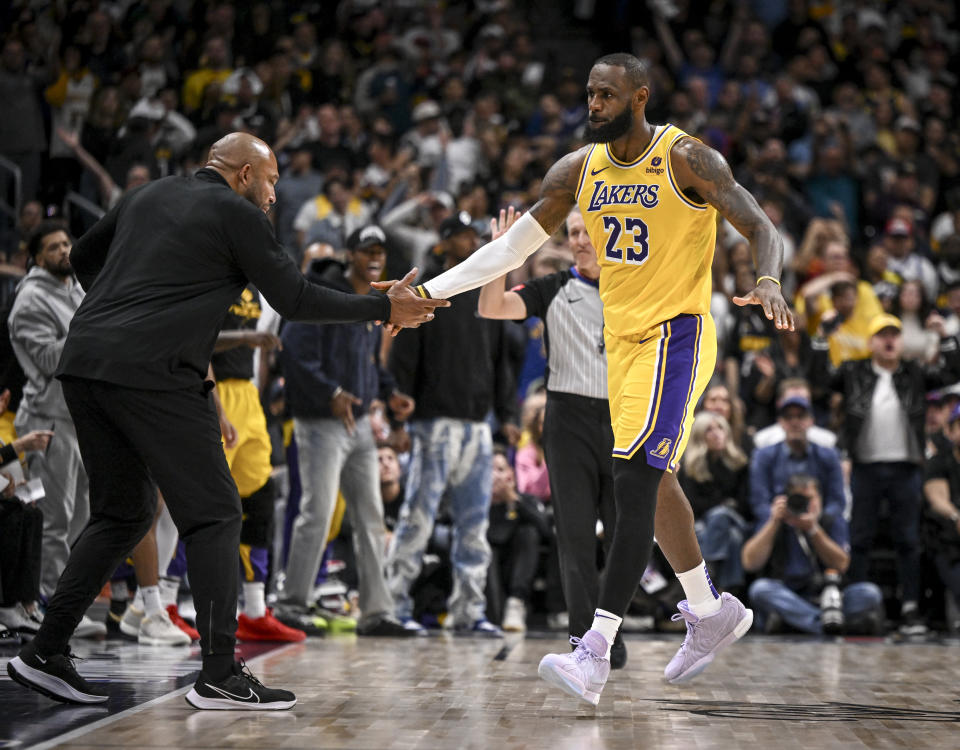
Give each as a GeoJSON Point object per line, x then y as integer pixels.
{"type": "Point", "coordinates": [558, 192]}
{"type": "Point", "coordinates": [712, 179]}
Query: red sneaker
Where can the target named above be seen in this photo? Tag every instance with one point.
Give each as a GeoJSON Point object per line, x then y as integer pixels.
{"type": "Point", "coordinates": [267, 628]}
{"type": "Point", "coordinates": [177, 620]}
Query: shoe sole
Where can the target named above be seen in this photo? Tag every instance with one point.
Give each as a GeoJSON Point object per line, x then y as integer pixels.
{"type": "Point", "coordinates": [701, 664]}
{"type": "Point", "coordinates": [224, 704]}
{"type": "Point", "coordinates": [147, 641]}
{"type": "Point", "coordinates": [48, 685]}
{"type": "Point", "coordinates": [559, 679]}
{"type": "Point", "coordinates": [270, 639]}
{"type": "Point", "coordinates": [129, 631]}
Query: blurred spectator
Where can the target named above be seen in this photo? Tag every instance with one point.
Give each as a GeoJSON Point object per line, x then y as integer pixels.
{"type": "Point", "coordinates": [22, 133]}
{"type": "Point", "coordinates": [903, 257]}
{"type": "Point", "coordinates": [714, 476]}
{"type": "Point", "coordinates": [46, 300]}
{"type": "Point", "coordinates": [791, 388]}
{"type": "Point", "coordinates": [913, 309]}
{"type": "Point", "coordinates": [884, 414]}
{"type": "Point", "coordinates": [452, 442]}
{"type": "Point", "coordinates": [298, 184]}
{"type": "Point", "coordinates": [941, 487]}
{"type": "Point", "coordinates": [801, 549]}
{"type": "Point", "coordinates": [331, 216]}
{"type": "Point", "coordinates": [717, 399]}
{"type": "Point", "coordinates": [518, 526]}
{"type": "Point", "coordinates": [531, 471]}
{"type": "Point", "coordinates": [214, 68]}
{"type": "Point", "coordinates": [416, 222]}
{"type": "Point", "coordinates": [332, 376]}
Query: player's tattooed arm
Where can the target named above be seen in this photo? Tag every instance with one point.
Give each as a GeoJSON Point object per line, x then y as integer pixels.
{"type": "Point", "coordinates": [558, 191]}
{"type": "Point", "coordinates": [701, 170]}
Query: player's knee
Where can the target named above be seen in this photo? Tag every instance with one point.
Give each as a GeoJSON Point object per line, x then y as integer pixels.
{"type": "Point", "coordinates": [635, 477]}
{"type": "Point", "coordinates": [258, 516]}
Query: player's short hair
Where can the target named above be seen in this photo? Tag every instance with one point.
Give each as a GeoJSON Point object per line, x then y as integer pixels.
{"type": "Point", "coordinates": [637, 70]}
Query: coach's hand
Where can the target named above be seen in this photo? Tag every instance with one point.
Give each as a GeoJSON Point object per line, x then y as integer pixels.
{"type": "Point", "coordinates": [407, 308]}
{"type": "Point", "coordinates": [768, 295]}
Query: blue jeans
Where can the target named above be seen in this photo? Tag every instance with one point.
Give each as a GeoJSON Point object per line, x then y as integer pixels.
{"type": "Point", "coordinates": [452, 458]}
{"type": "Point", "coordinates": [720, 534]}
{"type": "Point", "coordinates": [770, 595]}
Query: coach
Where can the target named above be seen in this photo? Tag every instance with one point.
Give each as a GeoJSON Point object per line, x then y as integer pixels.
{"type": "Point", "coordinates": [160, 270]}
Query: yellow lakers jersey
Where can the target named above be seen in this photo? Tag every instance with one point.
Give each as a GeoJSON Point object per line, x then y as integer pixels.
{"type": "Point", "coordinates": [655, 245]}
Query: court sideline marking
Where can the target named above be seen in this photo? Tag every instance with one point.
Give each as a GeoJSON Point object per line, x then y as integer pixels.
{"type": "Point", "coordinates": [107, 720]}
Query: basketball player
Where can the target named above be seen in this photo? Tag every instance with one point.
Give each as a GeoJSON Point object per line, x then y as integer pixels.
{"type": "Point", "coordinates": [649, 196]}
{"type": "Point", "coordinates": [161, 269]}
{"type": "Point", "coordinates": [247, 448]}
{"type": "Point", "coordinates": [577, 438]}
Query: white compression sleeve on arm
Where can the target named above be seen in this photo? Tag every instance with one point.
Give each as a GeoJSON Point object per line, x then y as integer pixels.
{"type": "Point", "coordinates": [492, 260]}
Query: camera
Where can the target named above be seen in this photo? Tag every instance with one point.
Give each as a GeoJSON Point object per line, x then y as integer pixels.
{"type": "Point", "coordinates": [797, 503]}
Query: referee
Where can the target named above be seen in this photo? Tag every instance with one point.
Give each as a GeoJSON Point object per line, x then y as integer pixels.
{"type": "Point", "coordinates": [160, 271]}
{"type": "Point", "coordinates": [577, 437]}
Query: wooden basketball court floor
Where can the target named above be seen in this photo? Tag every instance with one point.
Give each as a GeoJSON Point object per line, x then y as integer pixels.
{"type": "Point", "coordinates": [444, 692]}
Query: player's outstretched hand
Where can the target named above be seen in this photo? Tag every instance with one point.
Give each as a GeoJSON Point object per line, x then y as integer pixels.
{"type": "Point", "coordinates": [407, 308]}
{"type": "Point", "coordinates": [508, 217]}
{"type": "Point", "coordinates": [768, 295]}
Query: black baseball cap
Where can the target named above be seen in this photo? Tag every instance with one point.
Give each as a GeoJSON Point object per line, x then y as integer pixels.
{"type": "Point", "coordinates": [368, 236]}
{"type": "Point", "coordinates": [454, 224]}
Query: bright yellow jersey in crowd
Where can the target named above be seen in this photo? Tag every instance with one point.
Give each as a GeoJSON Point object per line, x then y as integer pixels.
{"type": "Point", "coordinates": [654, 244]}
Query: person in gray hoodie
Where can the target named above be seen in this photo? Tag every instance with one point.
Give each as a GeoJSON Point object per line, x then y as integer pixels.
{"type": "Point", "coordinates": [46, 300]}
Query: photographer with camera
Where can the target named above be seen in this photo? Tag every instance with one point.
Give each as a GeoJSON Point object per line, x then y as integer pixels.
{"type": "Point", "coordinates": [801, 548]}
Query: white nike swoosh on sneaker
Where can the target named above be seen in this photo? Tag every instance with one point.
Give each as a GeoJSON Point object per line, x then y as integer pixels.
{"type": "Point", "coordinates": [245, 699]}
{"type": "Point", "coordinates": [41, 659]}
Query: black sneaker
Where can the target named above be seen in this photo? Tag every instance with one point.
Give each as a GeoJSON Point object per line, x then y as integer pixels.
{"type": "Point", "coordinates": [618, 653]}
{"type": "Point", "coordinates": [54, 676]}
{"type": "Point", "coordinates": [387, 627]}
{"type": "Point", "coordinates": [302, 619]}
{"type": "Point", "coordinates": [912, 624]}
{"type": "Point", "coordinates": [241, 691]}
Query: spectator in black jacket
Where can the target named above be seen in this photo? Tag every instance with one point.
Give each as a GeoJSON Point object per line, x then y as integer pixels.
{"type": "Point", "coordinates": [458, 372]}
{"type": "Point", "coordinates": [333, 374]}
{"type": "Point", "coordinates": [941, 487]}
{"type": "Point", "coordinates": [884, 413]}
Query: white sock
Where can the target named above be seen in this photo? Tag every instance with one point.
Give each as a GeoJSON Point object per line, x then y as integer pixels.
{"type": "Point", "coordinates": [607, 624]}
{"type": "Point", "coordinates": [254, 599]}
{"type": "Point", "coordinates": [151, 600]}
{"type": "Point", "coordinates": [702, 597]}
{"type": "Point", "coordinates": [119, 591]}
{"type": "Point", "coordinates": [138, 599]}
{"type": "Point", "coordinates": [169, 589]}
{"type": "Point", "coordinates": [166, 540]}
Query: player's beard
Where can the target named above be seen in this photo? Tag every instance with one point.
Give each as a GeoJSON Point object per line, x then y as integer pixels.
{"type": "Point", "coordinates": [617, 127]}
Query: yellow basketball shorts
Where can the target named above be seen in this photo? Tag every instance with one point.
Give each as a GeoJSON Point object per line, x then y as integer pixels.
{"type": "Point", "coordinates": [249, 459]}
{"type": "Point", "coordinates": [654, 384]}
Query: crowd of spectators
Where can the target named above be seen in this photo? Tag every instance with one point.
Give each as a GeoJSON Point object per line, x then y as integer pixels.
{"type": "Point", "coordinates": [823, 463]}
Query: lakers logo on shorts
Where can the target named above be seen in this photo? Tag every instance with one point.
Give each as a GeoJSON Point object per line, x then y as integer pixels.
{"type": "Point", "coordinates": [663, 448]}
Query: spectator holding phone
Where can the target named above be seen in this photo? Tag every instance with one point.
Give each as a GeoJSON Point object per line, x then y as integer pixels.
{"type": "Point", "coordinates": [801, 546]}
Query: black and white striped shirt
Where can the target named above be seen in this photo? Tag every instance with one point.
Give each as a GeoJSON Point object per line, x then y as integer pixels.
{"type": "Point", "coordinates": [572, 312]}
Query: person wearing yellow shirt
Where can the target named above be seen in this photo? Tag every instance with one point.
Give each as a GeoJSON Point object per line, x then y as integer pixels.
{"type": "Point", "coordinates": [214, 68]}
{"type": "Point", "coordinates": [858, 304]}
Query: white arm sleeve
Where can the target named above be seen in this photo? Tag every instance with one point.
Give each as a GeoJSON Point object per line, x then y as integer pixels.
{"type": "Point", "coordinates": [492, 260]}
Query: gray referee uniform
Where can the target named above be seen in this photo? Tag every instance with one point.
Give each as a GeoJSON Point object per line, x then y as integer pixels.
{"type": "Point", "coordinates": [577, 437]}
